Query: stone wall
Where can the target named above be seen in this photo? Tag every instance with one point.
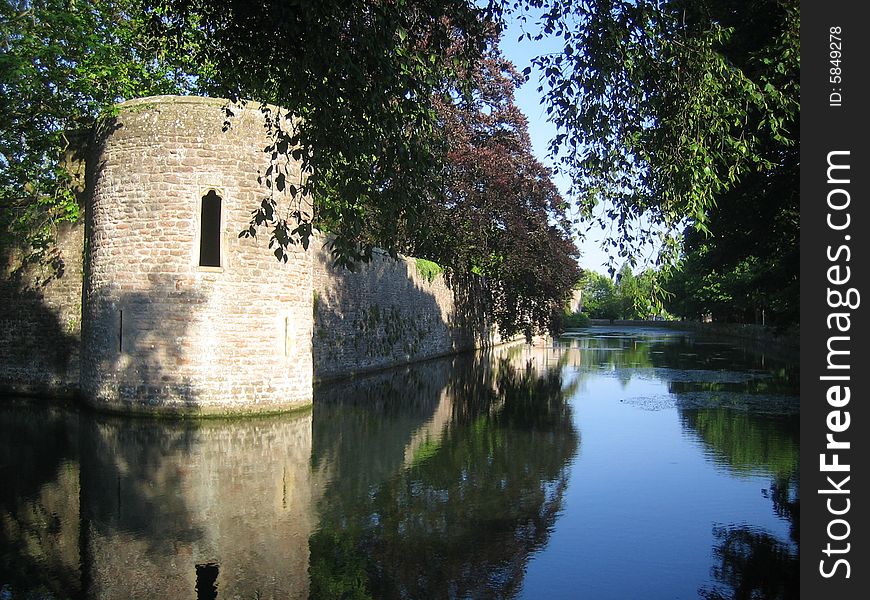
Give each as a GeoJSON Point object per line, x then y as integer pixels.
{"type": "Point", "coordinates": [40, 315]}
{"type": "Point", "coordinates": [386, 313]}
{"type": "Point", "coordinates": [159, 332]}
{"type": "Point", "coordinates": [162, 332]}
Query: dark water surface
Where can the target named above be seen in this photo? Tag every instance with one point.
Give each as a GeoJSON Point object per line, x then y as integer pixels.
{"type": "Point", "coordinates": [613, 463]}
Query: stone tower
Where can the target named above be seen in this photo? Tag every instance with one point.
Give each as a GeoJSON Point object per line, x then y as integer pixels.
{"type": "Point", "coordinates": [180, 313]}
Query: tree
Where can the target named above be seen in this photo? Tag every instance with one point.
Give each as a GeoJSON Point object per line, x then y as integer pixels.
{"type": "Point", "coordinates": [629, 296]}
{"type": "Point", "coordinates": [62, 64]}
{"type": "Point", "coordinates": [369, 83]}
{"type": "Point", "coordinates": [663, 107]}
{"type": "Point", "coordinates": [683, 115]}
{"type": "Point", "coordinates": [361, 76]}
{"type": "Point", "coordinates": [599, 296]}
{"type": "Point", "coordinates": [747, 270]}
{"type": "Point", "coordinates": [500, 215]}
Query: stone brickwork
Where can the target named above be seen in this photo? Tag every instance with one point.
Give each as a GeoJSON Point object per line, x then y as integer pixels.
{"type": "Point", "coordinates": [162, 332]}
{"type": "Point", "coordinates": [158, 331]}
{"type": "Point", "coordinates": [40, 316]}
{"type": "Point", "coordinates": [384, 314]}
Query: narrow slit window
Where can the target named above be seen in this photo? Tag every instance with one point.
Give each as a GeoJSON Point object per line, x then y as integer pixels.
{"type": "Point", "coordinates": [210, 235]}
{"type": "Point", "coordinates": [206, 581]}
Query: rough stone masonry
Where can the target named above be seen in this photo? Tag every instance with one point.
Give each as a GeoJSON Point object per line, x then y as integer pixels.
{"type": "Point", "coordinates": [160, 307]}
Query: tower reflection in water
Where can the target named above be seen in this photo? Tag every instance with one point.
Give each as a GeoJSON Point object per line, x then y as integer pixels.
{"type": "Point", "coordinates": [99, 507]}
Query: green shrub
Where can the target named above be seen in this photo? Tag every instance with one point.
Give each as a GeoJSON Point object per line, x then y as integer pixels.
{"type": "Point", "coordinates": [428, 269]}
{"type": "Point", "coordinates": [575, 320]}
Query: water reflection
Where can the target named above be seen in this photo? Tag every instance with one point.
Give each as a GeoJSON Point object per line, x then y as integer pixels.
{"type": "Point", "coordinates": [466, 492]}
{"type": "Point", "coordinates": [741, 408]}
{"type": "Point", "coordinates": [39, 503]}
{"type": "Point", "coordinates": [123, 508]}
{"type": "Point", "coordinates": [751, 562]}
{"type": "Point", "coordinates": [460, 477]}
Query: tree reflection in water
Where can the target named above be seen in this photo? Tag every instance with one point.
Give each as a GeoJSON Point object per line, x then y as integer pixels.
{"type": "Point", "coordinates": [440, 480]}
{"type": "Point", "coordinates": [39, 550]}
{"type": "Point", "coordinates": [460, 515]}
{"type": "Point", "coordinates": [751, 563]}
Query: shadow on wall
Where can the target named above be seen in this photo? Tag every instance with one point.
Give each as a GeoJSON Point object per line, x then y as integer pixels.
{"type": "Point", "coordinates": [134, 341]}
{"type": "Point", "coordinates": [40, 314]}
{"type": "Point", "coordinates": [473, 312]}
{"type": "Point", "coordinates": [386, 314]}
{"type": "Point", "coordinates": [139, 351]}
{"type": "Point", "coordinates": [41, 294]}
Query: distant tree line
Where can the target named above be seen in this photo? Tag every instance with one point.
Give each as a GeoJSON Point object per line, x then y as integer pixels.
{"type": "Point", "coordinates": [626, 296]}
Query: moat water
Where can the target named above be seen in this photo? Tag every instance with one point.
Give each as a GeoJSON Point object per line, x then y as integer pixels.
{"type": "Point", "coordinates": [612, 463]}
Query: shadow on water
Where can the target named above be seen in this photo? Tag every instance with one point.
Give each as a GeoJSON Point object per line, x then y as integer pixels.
{"type": "Point", "coordinates": [463, 483]}
{"type": "Point", "coordinates": [752, 564]}
{"type": "Point", "coordinates": [650, 348]}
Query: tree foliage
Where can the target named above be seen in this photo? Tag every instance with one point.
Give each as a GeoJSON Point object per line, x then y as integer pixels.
{"type": "Point", "coordinates": [372, 85]}
{"type": "Point", "coordinates": [361, 76]}
{"type": "Point", "coordinates": [675, 113]}
{"type": "Point", "coordinates": [63, 63]}
{"type": "Point", "coordinates": [665, 106]}
{"type": "Point", "coordinates": [627, 296]}
{"type": "Point", "coordinates": [683, 115]}
{"type": "Point", "coordinates": [746, 266]}
{"type": "Point", "coordinates": [747, 270]}
{"type": "Point", "coordinates": [500, 214]}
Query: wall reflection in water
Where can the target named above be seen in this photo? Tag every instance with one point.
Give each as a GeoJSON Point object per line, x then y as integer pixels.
{"type": "Point", "coordinates": [443, 481]}
{"type": "Point", "coordinates": [96, 507]}
{"type": "Point", "coordinates": [436, 480]}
